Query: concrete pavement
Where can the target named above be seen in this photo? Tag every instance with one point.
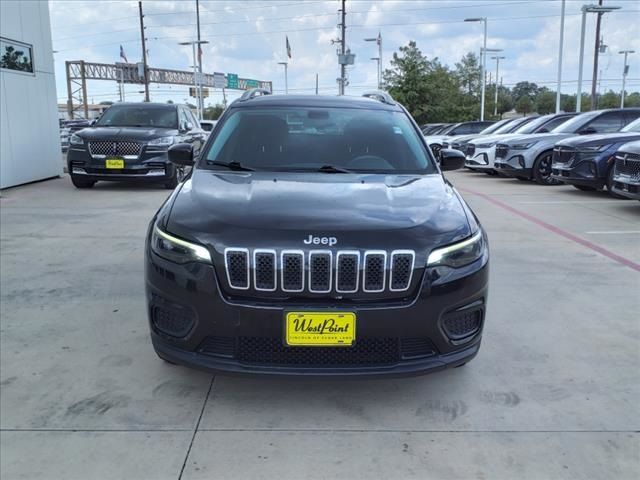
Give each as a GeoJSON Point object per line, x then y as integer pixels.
{"type": "Point", "coordinates": [554, 392]}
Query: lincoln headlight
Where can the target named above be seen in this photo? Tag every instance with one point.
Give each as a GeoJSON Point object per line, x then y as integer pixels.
{"type": "Point", "coordinates": [459, 254]}
{"type": "Point", "coordinates": [76, 139]}
{"type": "Point", "coordinates": [177, 250]}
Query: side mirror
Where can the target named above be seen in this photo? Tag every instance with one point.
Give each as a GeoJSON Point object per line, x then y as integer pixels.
{"type": "Point", "coordinates": [93, 122]}
{"type": "Point", "coordinates": [451, 159]}
{"type": "Point", "coordinates": [188, 126]}
{"type": "Point", "coordinates": [181, 154]}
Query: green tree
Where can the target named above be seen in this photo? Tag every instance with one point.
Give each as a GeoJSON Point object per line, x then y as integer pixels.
{"type": "Point", "coordinates": [545, 102]}
{"type": "Point", "coordinates": [610, 99]}
{"type": "Point", "coordinates": [213, 112]}
{"type": "Point", "coordinates": [524, 105]}
{"type": "Point", "coordinates": [632, 100]}
{"type": "Point", "coordinates": [568, 103]}
{"type": "Point", "coordinates": [522, 89]}
{"type": "Point", "coordinates": [467, 72]}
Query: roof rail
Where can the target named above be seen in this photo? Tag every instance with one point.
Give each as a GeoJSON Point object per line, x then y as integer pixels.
{"type": "Point", "coordinates": [381, 96]}
{"type": "Point", "coordinates": [253, 92]}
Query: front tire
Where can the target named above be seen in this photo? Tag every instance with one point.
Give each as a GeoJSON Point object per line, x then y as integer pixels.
{"type": "Point", "coordinates": [542, 170]}
{"type": "Point", "coordinates": [80, 182]}
{"type": "Point", "coordinates": [177, 177]}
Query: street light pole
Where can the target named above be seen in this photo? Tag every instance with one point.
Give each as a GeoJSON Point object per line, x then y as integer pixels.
{"type": "Point", "coordinates": [483, 58]}
{"type": "Point", "coordinates": [197, 74]}
{"type": "Point", "coordinates": [378, 40]}
{"type": "Point", "coordinates": [497, 59]}
{"type": "Point", "coordinates": [587, 9]}
{"type": "Point", "coordinates": [558, 89]}
{"type": "Point", "coordinates": [377, 59]}
{"type": "Point", "coordinates": [286, 80]}
{"type": "Point", "coordinates": [625, 71]}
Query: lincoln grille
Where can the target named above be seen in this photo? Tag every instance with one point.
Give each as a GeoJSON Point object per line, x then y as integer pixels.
{"type": "Point", "coordinates": [114, 148]}
{"type": "Point", "coordinates": [319, 271]}
{"type": "Point", "coordinates": [501, 151]}
{"type": "Point", "coordinates": [563, 155]}
{"type": "Point", "coordinates": [628, 164]}
{"type": "Point", "coordinates": [471, 149]}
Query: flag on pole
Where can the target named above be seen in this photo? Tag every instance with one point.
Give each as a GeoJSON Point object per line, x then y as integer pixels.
{"type": "Point", "coordinates": [379, 39]}
{"type": "Point", "coordinates": [288, 47]}
{"type": "Point", "coordinates": [122, 55]}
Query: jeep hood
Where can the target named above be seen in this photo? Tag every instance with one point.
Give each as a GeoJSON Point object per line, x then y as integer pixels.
{"type": "Point", "coordinates": [273, 209]}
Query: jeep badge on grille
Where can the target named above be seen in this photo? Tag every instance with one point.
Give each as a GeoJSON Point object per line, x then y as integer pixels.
{"type": "Point", "coordinates": [331, 241]}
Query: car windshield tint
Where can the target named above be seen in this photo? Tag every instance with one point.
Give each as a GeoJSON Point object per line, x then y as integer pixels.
{"type": "Point", "coordinates": [515, 125]}
{"type": "Point", "coordinates": [307, 139]}
{"type": "Point", "coordinates": [139, 116]}
{"type": "Point", "coordinates": [633, 126]}
{"type": "Point", "coordinates": [576, 123]}
{"type": "Point", "coordinates": [533, 125]}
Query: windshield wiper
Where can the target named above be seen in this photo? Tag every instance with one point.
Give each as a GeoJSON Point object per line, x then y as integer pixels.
{"type": "Point", "coordinates": [230, 165]}
{"type": "Point", "coordinates": [333, 169]}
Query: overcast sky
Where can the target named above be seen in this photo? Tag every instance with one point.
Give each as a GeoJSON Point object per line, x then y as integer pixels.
{"type": "Point", "coordinates": [248, 38]}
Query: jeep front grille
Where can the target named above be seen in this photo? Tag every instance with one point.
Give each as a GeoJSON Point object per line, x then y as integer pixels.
{"type": "Point", "coordinates": [111, 147]}
{"type": "Point", "coordinates": [319, 271]}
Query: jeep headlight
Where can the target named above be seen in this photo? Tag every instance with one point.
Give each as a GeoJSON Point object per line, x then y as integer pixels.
{"type": "Point", "coordinates": [522, 146]}
{"type": "Point", "coordinates": [459, 254]}
{"type": "Point", "coordinates": [161, 142]}
{"type": "Point", "coordinates": [76, 140]}
{"type": "Point", "coordinates": [177, 250]}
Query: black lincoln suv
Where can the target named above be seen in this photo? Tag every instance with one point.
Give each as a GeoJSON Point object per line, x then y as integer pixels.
{"type": "Point", "coordinates": [130, 141]}
{"type": "Point", "coordinates": [316, 236]}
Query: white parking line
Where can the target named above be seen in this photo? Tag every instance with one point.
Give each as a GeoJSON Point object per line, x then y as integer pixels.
{"type": "Point", "coordinates": [568, 202]}
{"type": "Point", "coordinates": [614, 232]}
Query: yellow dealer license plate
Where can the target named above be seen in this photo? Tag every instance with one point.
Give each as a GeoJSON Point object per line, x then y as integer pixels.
{"type": "Point", "coordinates": [320, 329]}
{"type": "Point", "coordinates": [114, 163]}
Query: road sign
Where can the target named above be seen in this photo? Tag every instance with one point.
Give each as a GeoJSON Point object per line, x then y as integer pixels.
{"type": "Point", "coordinates": [232, 80]}
{"type": "Point", "coordinates": [218, 80]}
{"type": "Point", "coordinates": [252, 83]}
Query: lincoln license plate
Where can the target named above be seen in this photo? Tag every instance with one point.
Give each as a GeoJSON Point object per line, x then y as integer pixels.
{"type": "Point", "coordinates": [114, 163]}
{"type": "Point", "coordinates": [320, 329]}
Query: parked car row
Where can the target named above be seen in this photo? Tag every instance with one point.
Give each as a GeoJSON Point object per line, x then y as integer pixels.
{"type": "Point", "coordinates": [591, 151]}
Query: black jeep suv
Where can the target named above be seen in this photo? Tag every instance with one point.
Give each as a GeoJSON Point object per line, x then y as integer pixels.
{"type": "Point", "coordinates": [316, 235]}
{"type": "Point", "coordinates": [130, 142]}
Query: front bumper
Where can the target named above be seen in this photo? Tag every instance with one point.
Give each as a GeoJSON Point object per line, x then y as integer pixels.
{"type": "Point", "coordinates": [583, 173]}
{"type": "Point", "coordinates": [626, 186]}
{"type": "Point", "coordinates": [482, 159]}
{"type": "Point", "coordinates": [412, 335]}
{"type": "Point", "coordinates": [150, 166]}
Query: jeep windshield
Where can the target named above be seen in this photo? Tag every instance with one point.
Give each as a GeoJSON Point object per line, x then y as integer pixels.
{"type": "Point", "coordinates": [328, 140]}
{"type": "Point", "coordinates": [155, 116]}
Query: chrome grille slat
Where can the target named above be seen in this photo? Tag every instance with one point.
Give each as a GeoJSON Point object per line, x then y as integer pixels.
{"type": "Point", "coordinates": [319, 271]}
{"type": "Point", "coordinates": [375, 262]}
{"type": "Point", "coordinates": [347, 271]}
{"type": "Point", "coordinates": [628, 164]}
{"type": "Point", "coordinates": [264, 270]}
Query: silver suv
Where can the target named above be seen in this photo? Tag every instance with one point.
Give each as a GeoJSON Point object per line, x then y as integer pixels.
{"type": "Point", "coordinates": [529, 156]}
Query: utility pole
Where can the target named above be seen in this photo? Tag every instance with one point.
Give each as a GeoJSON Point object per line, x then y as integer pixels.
{"type": "Point", "coordinates": [595, 59]}
{"type": "Point", "coordinates": [343, 40]}
{"type": "Point", "coordinates": [144, 55]}
{"type": "Point", "coordinates": [199, 80]}
{"type": "Point", "coordinates": [495, 102]}
{"type": "Point", "coordinates": [316, 84]}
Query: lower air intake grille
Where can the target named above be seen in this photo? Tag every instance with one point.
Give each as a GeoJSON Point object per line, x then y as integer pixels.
{"type": "Point", "coordinates": [173, 321]}
{"type": "Point", "coordinates": [462, 324]}
{"type": "Point", "coordinates": [218, 346]}
{"type": "Point", "coordinates": [417, 348]}
{"type": "Point", "coordinates": [271, 351]}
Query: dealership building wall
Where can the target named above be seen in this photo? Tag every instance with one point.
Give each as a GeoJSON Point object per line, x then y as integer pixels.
{"type": "Point", "coordinates": [29, 128]}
